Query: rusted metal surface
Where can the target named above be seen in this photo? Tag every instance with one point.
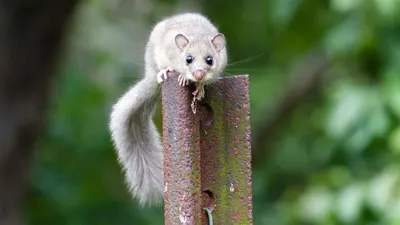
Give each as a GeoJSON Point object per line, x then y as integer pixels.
{"type": "Point", "coordinates": [218, 176]}
{"type": "Point", "coordinates": [181, 141]}
{"type": "Point", "coordinates": [226, 151]}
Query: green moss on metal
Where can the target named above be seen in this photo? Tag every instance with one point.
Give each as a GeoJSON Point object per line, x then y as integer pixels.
{"type": "Point", "coordinates": [228, 133]}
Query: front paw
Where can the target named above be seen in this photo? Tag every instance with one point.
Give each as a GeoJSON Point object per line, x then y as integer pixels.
{"type": "Point", "coordinates": [162, 75]}
{"type": "Point", "coordinates": [183, 80]}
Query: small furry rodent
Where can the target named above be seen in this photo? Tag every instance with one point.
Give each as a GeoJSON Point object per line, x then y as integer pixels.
{"type": "Point", "coordinates": [188, 44]}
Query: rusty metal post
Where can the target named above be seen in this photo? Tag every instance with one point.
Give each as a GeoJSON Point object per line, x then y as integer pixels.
{"type": "Point", "coordinates": [181, 141]}
{"type": "Point", "coordinates": [226, 151]}
{"type": "Point", "coordinates": [207, 156]}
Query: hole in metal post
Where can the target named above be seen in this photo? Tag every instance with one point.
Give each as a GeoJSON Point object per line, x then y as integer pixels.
{"type": "Point", "coordinates": [209, 194]}
{"type": "Point", "coordinates": [208, 199]}
{"type": "Point", "coordinates": [206, 114]}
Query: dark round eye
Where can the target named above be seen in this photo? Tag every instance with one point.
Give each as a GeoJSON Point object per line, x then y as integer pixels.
{"type": "Point", "coordinates": [189, 59]}
{"type": "Point", "coordinates": [209, 60]}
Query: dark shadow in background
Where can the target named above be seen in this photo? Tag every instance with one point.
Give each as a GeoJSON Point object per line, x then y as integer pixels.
{"type": "Point", "coordinates": [30, 38]}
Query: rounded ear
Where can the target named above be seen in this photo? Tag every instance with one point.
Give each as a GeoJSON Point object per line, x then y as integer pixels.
{"type": "Point", "coordinates": [181, 41]}
{"type": "Point", "coordinates": [219, 42]}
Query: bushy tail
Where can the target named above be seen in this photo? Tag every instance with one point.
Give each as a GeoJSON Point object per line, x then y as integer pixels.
{"type": "Point", "coordinates": [137, 141]}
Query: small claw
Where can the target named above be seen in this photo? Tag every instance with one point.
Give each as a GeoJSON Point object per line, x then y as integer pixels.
{"type": "Point", "coordinates": [167, 70]}
{"type": "Point", "coordinates": [162, 75]}
{"type": "Point", "coordinates": [182, 80]}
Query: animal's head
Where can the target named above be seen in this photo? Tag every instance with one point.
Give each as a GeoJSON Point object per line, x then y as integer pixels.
{"type": "Point", "coordinates": [203, 57]}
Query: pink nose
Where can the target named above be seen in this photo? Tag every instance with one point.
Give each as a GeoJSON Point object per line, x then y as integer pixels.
{"type": "Point", "coordinates": [199, 74]}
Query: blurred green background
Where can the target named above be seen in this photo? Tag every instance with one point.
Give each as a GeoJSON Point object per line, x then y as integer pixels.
{"type": "Point", "coordinates": [325, 109]}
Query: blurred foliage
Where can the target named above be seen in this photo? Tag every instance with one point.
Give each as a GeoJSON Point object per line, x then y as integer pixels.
{"type": "Point", "coordinates": [334, 160]}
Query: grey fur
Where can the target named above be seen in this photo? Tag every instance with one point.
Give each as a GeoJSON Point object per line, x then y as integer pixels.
{"type": "Point", "coordinates": [133, 132]}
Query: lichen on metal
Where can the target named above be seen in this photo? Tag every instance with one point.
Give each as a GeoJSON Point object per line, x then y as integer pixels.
{"type": "Point", "coordinates": [226, 151]}
{"type": "Point", "coordinates": [207, 156]}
